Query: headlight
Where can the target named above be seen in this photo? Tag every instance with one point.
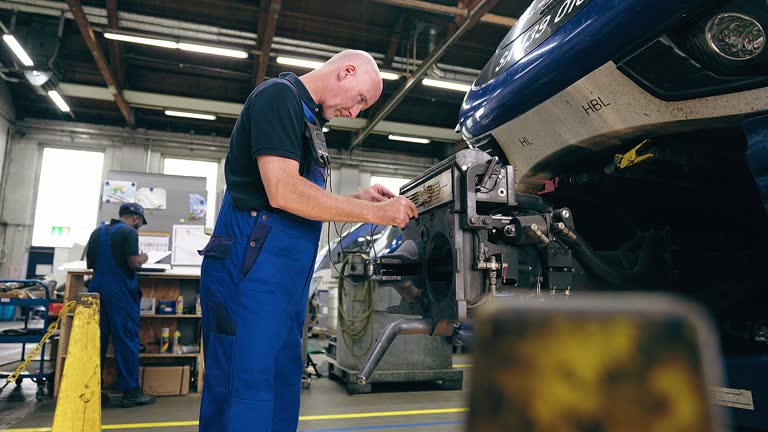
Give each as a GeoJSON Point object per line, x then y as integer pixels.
{"type": "Point", "coordinates": [735, 36]}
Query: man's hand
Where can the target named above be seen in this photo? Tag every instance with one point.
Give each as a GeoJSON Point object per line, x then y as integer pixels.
{"type": "Point", "coordinates": [375, 193]}
{"type": "Point", "coordinates": [396, 212]}
{"type": "Point", "coordinates": [143, 258]}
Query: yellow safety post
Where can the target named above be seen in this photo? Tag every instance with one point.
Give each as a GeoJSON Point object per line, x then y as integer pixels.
{"type": "Point", "coordinates": [78, 408]}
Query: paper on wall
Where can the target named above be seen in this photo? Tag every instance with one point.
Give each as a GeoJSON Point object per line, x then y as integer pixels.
{"type": "Point", "coordinates": [197, 206]}
{"type": "Point", "coordinates": [119, 191]}
{"type": "Point", "coordinates": [152, 198]}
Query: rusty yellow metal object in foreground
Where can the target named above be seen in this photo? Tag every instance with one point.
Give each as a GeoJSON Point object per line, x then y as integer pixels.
{"type": "Point", "coordinates": [78, 408]}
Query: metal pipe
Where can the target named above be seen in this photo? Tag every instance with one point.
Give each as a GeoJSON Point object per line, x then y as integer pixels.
{"type": "Point", "coordinates": [450, 11]}
{"type": "Point", "coordinates": [399, 327]}
{"type": "Point", "coordinates": [480, 8]}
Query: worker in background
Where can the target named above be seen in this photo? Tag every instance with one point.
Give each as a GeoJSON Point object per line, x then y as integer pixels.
{"type": "Point", "coordinates": [113, 254]}
{"type": "Point", "coordinates": [258, 263]}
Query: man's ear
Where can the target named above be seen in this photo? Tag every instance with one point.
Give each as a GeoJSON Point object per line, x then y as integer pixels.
{"type": "Point", "coordinates": [348, 70]}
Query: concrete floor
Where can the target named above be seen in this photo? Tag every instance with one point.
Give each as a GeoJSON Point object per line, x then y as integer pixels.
{"type": "Point", "coordinates": [325, 400]}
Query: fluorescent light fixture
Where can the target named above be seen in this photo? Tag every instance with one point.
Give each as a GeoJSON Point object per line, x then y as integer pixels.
{"type": "Point", "coordinates": [391, 76]}
{"type": "Point", "coordinates": [446, 84]}
{"type": "Point", "coordinates": [163, 43]}
{"type": "Point", "coordinates": [58, 100]}
{"type": "Point", "coordinates": [142, 40]}
{"type": "Point", "coordinates": [309, 64]}
{"type": "Point", "coordinates": [18, 50]}
{"type": "Point", "coordinates": [200, 116]}
{"type": "Point", "coordinates": [213, 50]}
{"type": "Point", "coordinates": [409, 139]}
{"type": "Point", "coordinates": [326, 129]}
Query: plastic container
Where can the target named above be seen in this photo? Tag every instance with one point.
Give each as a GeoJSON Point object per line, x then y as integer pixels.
{"type": "Point", "coordinates": [177, 342]}
{"type": "Point", "coordinates": [7, 312]}
{"type": "Point", "coordinates": [165, 339]}
{"type": "Point", "coordinates": [180, 305]}
{"type": "Point", "coordinates": [55, 308]}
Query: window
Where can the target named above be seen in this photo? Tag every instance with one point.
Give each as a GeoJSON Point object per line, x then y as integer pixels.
{"type": "Point", "coordinates": [197, 168]}
{"type": "Point", "coordinates": [391, 183]}
{"type": "Point", "coordinates": [67, 199]}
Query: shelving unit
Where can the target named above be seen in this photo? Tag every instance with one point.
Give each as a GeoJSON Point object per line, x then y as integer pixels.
{"type": "Point", "coordinates": [37, 370]}
{"type": "Point", "coordinates": [162, 286]}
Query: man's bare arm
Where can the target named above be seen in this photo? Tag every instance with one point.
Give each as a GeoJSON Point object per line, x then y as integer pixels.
{"type": "Point", "coordinates": [288, 191]}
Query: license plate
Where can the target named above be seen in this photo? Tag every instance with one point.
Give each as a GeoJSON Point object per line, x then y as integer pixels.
{"type": "Point", "coordinates": [540, 21]}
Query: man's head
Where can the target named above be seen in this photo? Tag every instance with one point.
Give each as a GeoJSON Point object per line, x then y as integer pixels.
{"type": "Point", "coordinates": [346, 84]}
{"type": "Point", "coordinates": [133, 215]}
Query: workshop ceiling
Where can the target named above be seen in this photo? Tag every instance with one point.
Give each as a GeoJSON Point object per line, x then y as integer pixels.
{"type": "Point", "coordinates": [151, 79]}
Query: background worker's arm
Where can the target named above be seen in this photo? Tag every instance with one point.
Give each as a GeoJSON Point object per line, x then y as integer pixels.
{"type": "Point", "coordinates": [135, 262]}
{"type": "Point", "coordinates": [288, 191]}
{"type": "Point", "coordinates": [128, 246]}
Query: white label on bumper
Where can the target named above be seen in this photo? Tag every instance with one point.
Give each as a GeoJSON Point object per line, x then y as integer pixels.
{"type": "Point", "coordinates": [734, 398]}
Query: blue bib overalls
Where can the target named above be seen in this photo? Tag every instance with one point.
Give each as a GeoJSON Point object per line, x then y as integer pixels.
{"type": "Point", "coordinates": [120, 297]}
{"type": "Point", "coordinates": [253, 290]}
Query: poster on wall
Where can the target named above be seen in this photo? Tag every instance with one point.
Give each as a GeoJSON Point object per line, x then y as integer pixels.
{"type": "Point", "coordinates": [151, 198]}
{"type": "Point", "coordinates": [197, 207]}
{"type": "Point", "coordinates": [119, 191]}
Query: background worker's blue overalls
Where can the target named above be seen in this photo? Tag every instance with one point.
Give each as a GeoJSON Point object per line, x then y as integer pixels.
{"type": "Point", "coordinates": [253, 290]}
{"type": "Point", "coordinates": [119, 315]}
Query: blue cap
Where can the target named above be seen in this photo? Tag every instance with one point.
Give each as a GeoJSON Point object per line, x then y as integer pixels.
{"type": "Point", "coordinates": [132, 208]}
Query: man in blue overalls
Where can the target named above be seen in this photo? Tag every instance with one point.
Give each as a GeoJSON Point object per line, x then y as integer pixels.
{"type": "Point", "coordinates": [257, 266]}
{"type": "Point", "coordinates": [113, 254]}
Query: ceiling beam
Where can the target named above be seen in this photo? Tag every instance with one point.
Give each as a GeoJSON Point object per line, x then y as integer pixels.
{"type": "Point", "coordinates": [482, 6]}
{"type": "Point", "coordinates": [394, 41]}
{"type": "Point", "coordinates": [466, 5]}
{"type": "Point", "coordinates": [449, 10]}
{"type": "Point", "coordinates": [98, 55]}
{"type": "Point", "coordinates": [267, 27]}
{"type": "Point", "coordinates": [157, 101]}
{"type": "Point", "coordinates": [115, 47]}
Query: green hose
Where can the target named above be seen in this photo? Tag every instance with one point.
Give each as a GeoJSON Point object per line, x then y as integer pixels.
{"type": "Point", "coordinates": [358, 322]}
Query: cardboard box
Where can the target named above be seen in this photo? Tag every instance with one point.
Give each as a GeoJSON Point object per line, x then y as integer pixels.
{"type": "Point", "coordinates": [164, 380]}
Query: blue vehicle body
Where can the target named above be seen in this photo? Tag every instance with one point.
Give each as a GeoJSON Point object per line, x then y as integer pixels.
{"type": "Point", "coordinates": [507, 89]}
{"type": "Point", "coordinates": [621, 111]}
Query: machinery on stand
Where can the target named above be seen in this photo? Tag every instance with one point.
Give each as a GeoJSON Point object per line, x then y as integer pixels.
{"type": "Point", "coordinates": [475, 238]}
{"type": "Point", "coordinates": [365, 312]}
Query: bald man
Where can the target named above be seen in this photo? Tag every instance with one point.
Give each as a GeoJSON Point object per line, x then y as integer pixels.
{"type": "Point", "coordinates": [257, 266]}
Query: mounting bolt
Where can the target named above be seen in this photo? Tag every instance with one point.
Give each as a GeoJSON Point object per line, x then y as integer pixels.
{"type": "Point", "coordinates": [509, 231]}
{"type": "Point", "coordinates": [566, 214]}
{"type": "Point", "coordinates": [474, 219]}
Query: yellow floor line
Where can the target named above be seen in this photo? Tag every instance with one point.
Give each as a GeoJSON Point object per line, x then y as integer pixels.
{"type": "Point", "coordinates": [459, 366]}
{"type": "Point", "coordinates": [301, 418]}
{"type": "Point", "coordinates": [383, 414]}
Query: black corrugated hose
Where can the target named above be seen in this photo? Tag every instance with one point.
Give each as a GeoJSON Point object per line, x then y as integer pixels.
{"type": "Point", "coordinates": [589, 259]}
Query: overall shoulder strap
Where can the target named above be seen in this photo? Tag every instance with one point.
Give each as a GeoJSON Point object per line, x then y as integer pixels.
{"type": "Point", "coordinates": [308, 115]}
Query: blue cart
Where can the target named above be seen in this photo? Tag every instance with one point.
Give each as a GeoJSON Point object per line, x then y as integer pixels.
{"type": "Point", "coordinates": [39, 370]}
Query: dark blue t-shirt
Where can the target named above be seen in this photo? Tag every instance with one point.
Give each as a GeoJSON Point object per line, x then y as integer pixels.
{"type": "Point", "coordinates": [125, 243]}
{"type": "Point", "coordinates": [271, 123]}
